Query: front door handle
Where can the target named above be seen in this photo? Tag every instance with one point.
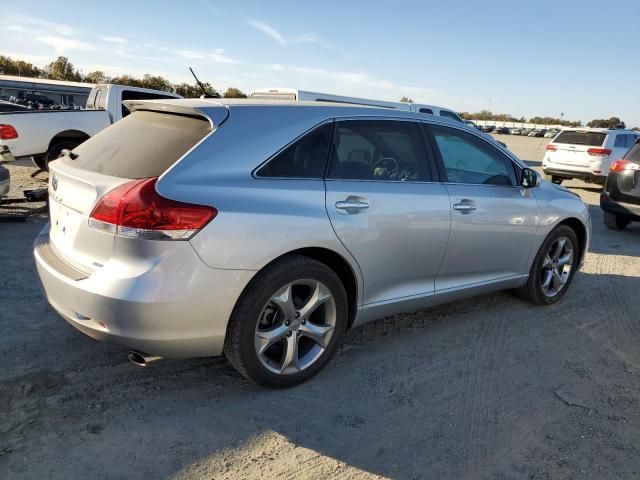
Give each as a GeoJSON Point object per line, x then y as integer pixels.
{"type": "Point", "coordinates": [351, 206]}
{"type": "Point", "coordinates": [464, 207]}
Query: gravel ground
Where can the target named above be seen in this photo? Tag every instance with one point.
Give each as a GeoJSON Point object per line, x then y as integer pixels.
{"type": "Point", "coordinates": [486, 388]}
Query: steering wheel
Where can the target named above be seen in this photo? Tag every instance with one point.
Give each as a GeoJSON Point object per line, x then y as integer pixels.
{"type": "Point", "coordinates": [390, 173]}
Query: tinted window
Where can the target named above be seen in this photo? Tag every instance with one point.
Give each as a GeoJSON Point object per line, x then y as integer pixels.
{"type": "Point", "coordinates": [426, 110]}
{"type": "Point", "coordinates": [573, 137]}
{"type": "Point", "coordinates": [451, 115]}
{"type": "Point", "coordinates": [305, 158]}
{"type": "Point", "coordinates": [134, 95]}
{"type": "Point", "coordinates": [119, 151]}
{"type": "Point", "coordinates": [378, 150]}
{"type": "Point", "coordinates": [621, 141]}
{"type": "Point", "coordinates": [633, 155]}
{"type": "Point", "coordinates": [469, 159]}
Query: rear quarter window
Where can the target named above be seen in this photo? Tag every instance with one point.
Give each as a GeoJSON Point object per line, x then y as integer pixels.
{"type": "Point", "coordinates": [572, 137]}
{"type": "Point", "coordinates": [633, 155]}
{"type": "Point", "coordinates": [145, 144]}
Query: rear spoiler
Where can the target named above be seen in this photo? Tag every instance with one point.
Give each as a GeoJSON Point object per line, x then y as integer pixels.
{"type": "Point", "coordinates": [215, 113]}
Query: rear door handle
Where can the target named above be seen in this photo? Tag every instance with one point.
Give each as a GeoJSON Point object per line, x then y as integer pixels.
{"type": "Point", "coordinates": [465, 207]}
{"type": "Point", "coordinates": [351, 206]}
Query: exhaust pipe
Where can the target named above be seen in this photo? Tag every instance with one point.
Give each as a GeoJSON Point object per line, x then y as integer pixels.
{"type": "Point", "coordinates": [141, 359]}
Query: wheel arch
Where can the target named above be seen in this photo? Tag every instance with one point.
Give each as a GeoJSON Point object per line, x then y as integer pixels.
{"type": "Point", "coordinates": [68, 135]}
{"type": "Point", "coordinates": [339, 265]}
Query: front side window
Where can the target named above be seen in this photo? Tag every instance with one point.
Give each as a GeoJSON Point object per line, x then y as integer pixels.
{"type": "Point", "coordinates": [469, 159]}
{"type": "Point", "coordinates": [305, 158]}
{"type": "Point", "coordinates": [381, 150]}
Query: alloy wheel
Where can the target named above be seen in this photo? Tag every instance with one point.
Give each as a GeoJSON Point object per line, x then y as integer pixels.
{"type": "Point", "coordinates": [295, 327]}
{"type": "Point", "coordinates": [556, 267]}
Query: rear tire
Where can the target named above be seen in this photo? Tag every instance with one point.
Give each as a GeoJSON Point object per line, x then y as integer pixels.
{"type": "Point", "coordinates": [39, 161]}
{"type": "Point", "coordinates": [615, 221]}
{"type": "Point", "coordinates": [55, 152]}
{"type": "Point", "coordinates": [276, 319]}
{"type": "Point", "coordinates": [553, 179]}
{"type": "Point", "coordinates": [555, 264]}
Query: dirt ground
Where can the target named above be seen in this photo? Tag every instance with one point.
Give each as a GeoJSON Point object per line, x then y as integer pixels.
{"type": "Point", "coordinates": [486, 388]}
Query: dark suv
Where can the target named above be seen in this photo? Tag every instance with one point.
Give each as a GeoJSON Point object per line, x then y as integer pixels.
{"type": "Point", "coordinates": [620, 198]}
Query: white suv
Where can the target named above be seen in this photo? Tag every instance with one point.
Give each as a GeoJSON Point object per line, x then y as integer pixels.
{"type": "Point", "coordinates": [586, 153]}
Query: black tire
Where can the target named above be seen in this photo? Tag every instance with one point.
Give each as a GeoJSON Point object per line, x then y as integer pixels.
{"type": "Point", "coordinates": [39, 161]}
{"type": "Point", "coordinates": [553, 178]}
{"type": "Point", "coordinates": [239, 342]}
{"type": "Point", "coordinates": [615, 221]}
{"type": "Point", "coordinates": [532, 290]}
{"type": "Point", "coordinates": [55, 152]}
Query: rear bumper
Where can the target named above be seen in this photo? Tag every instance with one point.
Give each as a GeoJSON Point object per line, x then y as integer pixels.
{"type": "Point", "coordinates": [569, 172]}
{"type": "Point", "coordinates": [178, 308]}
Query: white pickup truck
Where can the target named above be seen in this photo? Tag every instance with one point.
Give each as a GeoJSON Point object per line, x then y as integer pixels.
{"type": "Point", "coordinates": [44, 134]}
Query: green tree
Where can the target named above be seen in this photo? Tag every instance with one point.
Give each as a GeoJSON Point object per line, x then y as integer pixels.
{"type": "Point", "coordinates": [612, 122]}
{"type": "Point", "coordinates": [96, 77]}
{"type": "Point", "coordinates": [62, 69]}
{"type": "Point", "coordinates": [233, 92]}
{"type": "Point", "coordinates": [193, 91]}
{"type": "Point", "coordinates": [406, 100]}
{"type": "Point", "coordinates": [9, 66]}
{"type": "Point", "coordinates": [156, 82]}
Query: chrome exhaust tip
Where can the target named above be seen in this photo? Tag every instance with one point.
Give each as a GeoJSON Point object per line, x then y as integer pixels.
{"type": "Point", "coordinates": [141, 359]}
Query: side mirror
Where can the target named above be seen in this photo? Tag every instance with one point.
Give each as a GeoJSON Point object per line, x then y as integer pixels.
{"type": "Point", "coordinates": [529, 178]}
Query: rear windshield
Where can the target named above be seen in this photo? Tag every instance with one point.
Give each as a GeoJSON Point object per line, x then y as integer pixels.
{"type": "Point", "coordinates": [633, 155]}
{"type": "Point", "coordinates": [572, 137]}
{"type": "Point", "coordinates": [145, 144]}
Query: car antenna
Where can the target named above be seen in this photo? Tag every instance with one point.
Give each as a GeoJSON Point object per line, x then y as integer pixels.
{"type": "Point", "coordinates": [202, 89]}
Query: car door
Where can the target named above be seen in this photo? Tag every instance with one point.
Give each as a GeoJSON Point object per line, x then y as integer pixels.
{"type": "Point", "coordinates": [385, 208]}
{"type": "Point", "coordinates": [493, 220]}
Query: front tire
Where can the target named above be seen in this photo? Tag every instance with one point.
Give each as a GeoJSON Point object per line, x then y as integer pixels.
{"type": "Point", "coordinates": [615, 221]}
{"type": "Point", "coordinates": [288, 323]}
{"type": "Point", "coordinates": [553, 268]}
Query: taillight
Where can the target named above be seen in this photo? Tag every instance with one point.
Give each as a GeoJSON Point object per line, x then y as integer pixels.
{"type": "Point", "coordinates": [599, 151]}
{"type": "Point", "coordinates": [552, 148]}
{"type": "Point", "coordinates": [622, 165]}
{"type": "Point", "coordinates": [136, 210]}
{"type": "Point", "coordinates": [7, 132]}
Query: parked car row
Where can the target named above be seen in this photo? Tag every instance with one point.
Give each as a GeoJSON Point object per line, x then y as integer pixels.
{"type": "Point", "coordinates": [529, 132]}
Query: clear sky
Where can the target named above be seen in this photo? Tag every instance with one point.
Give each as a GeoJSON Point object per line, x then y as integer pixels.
{"type": "Point", "coordinates": [527, 58]}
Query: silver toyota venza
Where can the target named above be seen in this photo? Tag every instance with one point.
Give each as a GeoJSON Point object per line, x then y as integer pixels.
{"type": "Point", "coordinates": [265, 230]}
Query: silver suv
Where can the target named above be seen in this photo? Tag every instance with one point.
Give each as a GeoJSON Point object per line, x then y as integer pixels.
{"type": "Point", "coordinates": [266, 230]}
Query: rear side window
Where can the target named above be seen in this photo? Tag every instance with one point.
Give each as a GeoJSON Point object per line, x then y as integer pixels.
{"type": "Point", "coordinates": [381, 150]}
{"type": "Point", "coordinates": [305, 158]}
{"type": "Point", "coordinates": [573, 137]}
{"type": "Point", "coordinates": [143, 145]}
{"type": "Point", "coordinates": [469, 159]}
{"type": "Point", "coordinates": [426, 110]}
{"type": "Point", "coordinates": [633, 155]}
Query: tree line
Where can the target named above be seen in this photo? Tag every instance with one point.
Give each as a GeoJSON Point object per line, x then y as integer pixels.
{"type": "Point", "coordinates": [62, 69]}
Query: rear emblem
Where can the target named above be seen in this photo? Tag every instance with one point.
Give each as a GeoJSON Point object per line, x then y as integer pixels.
{"type": "Point", "coordinates": [54, 183]}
